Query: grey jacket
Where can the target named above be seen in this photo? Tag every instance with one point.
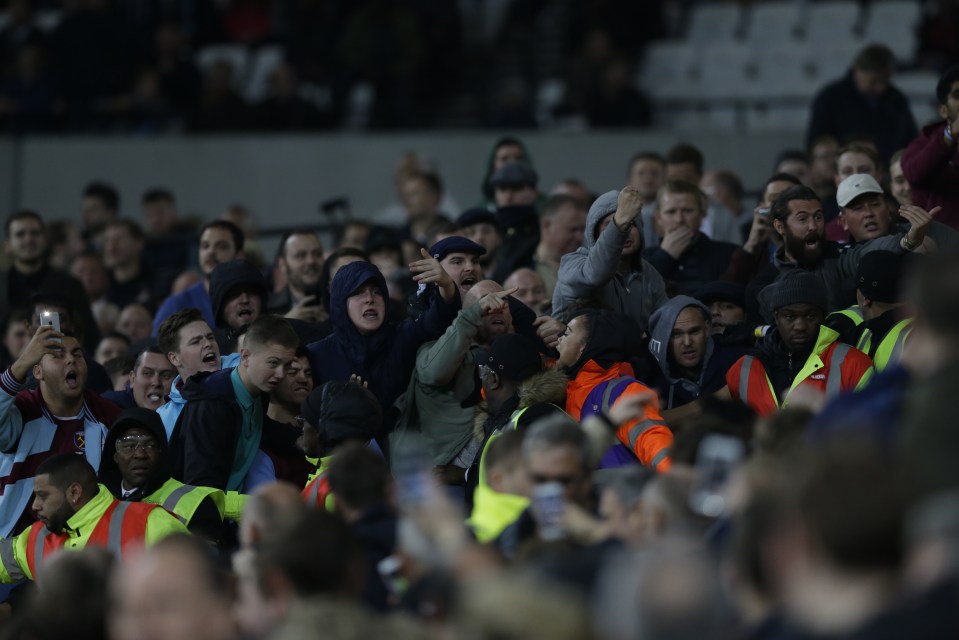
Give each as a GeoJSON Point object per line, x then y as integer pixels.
{"type": "Point", "coordinates": [444, 377]}
{"type": "Point", "coordinates": [592, 268]}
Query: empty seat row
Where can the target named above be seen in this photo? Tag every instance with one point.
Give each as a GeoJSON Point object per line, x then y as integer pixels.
{"type": "Point", "coordinates": [683, 70]}
{"type": "Point", "coordinates": [893, 22]}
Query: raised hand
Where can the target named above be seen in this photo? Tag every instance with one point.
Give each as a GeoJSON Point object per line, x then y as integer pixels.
{"type": "Point", "coordinates": [495, 301]}
{"type": "Point", "coordinates": [430, 271]}
{"type": "Point", "coordinates": [628, 207]}
{"type": "Point", "coordinates": [46, 341]}
{"type": "Point", "coordinates": [919, 219]}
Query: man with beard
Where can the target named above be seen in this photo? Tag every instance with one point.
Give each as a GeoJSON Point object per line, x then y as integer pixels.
{"type": "Point", "coordinates": [300, 260]}
{"type": "Point", "coordinates": [74, 511]}
{"type": "Point", "coordinates": [220, 241]}
{"type": "Point", "coordinates": [798, 217]}
{"type": "Point", "coordinates": [60, 416]}
{"type": "Point", "coordinates": [798, 352]}
{"type": "Point", "coordinates": [278, 457]}
{"type": "Point", "coordinates": [438, 404]}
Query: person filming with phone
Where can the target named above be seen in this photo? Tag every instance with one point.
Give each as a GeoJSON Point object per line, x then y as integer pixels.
{"type": "Point", "coordinates": [60, 416]}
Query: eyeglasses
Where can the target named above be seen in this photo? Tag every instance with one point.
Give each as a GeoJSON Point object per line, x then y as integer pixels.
{"type": "Point", "coordinates": [129, 444]}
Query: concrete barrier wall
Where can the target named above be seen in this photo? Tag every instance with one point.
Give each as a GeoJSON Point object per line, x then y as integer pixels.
{"type": "Point", "coordinates": [284, 178]}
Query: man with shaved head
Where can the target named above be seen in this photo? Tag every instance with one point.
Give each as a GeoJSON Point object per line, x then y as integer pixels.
{"type": "Point", "coordinates": [444, 381]}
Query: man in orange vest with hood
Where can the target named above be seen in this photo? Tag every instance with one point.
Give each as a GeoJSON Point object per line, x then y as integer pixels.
{"type": "Point", "coordinates": [798, 351]}
{"type": "Point", "coordinates": [594, 352]}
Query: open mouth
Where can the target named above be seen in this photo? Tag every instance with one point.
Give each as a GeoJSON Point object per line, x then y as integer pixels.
{"type": "Point", "coordinates": [812, 243]}
{"type": "Point", "coordinates": [72, 380]}
{"type": "Point", "coordinates": [155, 397]}
{"type": "Point", "coordinates": [467, 282]}
{"type": "Point", "coordinates": [245, 314]}
{"type": "Point", "coordinates": [371, 314]}
{"type": "Point", "coordinates": [497, 322]}
{"type": "Point", "coordinates": [870, 227]}
{"type": "Point", "coordinates": [209, 358]}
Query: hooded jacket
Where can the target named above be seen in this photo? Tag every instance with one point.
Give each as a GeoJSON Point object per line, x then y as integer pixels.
{"type": "Point", "coordinates": [225, 277]}
{"type": "Point", "coordinates": [601, 377]}
{"type": "Point", "coordinates": [675, 391]}
{"type": "Point", "coordinates": [592, 269]}
{"type": "Point", "coordinates": [384, 358]}
{"type": "Point", "coordinates": [202, 516]}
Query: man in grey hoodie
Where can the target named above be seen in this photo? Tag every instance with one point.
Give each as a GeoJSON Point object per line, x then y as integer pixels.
{"type": "Point", "coordinates": [610, 269]}
{"type": "Point", "coordinates": [690, 364]}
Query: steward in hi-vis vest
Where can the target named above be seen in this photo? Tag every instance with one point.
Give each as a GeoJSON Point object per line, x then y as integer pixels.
{"type": "Point", "coordinates": [797, 351]}
{"type": "Point", "coordinates": [74, 511]}
{"type": "Point", "coordinates": [135, 468]}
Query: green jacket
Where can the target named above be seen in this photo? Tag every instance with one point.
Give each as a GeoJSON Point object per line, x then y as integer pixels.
{"type": "Point", "coordinates": [443, 378]}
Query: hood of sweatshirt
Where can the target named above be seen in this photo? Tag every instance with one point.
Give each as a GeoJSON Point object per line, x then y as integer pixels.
{"type": "Point", "coordinates": [661, 325]}
{"type": "Point", "coordinates": [232, 275]}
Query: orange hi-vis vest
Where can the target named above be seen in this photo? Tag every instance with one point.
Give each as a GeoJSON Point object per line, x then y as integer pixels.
{"type": "Point", "coordinates": [123, 524]}
{"type": "Point", "coordinates": [317, 492]}
{"type": "Point", "coordinates": [648, 437]}
{"type": "Point", "coordinates": [832, 368]}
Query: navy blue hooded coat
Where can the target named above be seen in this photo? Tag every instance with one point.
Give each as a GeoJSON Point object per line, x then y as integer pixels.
{"type": "Point", "coordinates": [385, 358]}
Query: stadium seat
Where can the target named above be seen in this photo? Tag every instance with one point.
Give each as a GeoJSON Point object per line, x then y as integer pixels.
{"type": "Point", "coordinates": [895, 23]}
{"type": "Point", "coordinates": [722, 71]}
{"type": "Point", "coordinates": [833, 60]}
{"type": "Point", "coordinates": [830, 20]}
{"type": "Point", "coordinates": [773, 22]}
{"type": "Point", "coordinates": [667, 71]}
{"type": "Point", "coordinates": [783, 72]}
{"type": "Point", "coordinates": [714, 22]}
{"type": "Point", "coordinates": [761, 118]}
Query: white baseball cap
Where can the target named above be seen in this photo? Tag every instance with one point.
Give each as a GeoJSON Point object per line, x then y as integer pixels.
{"type": "Point", "coordinates": [854, 186]}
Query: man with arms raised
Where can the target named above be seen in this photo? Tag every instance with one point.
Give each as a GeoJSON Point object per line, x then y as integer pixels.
{"type": "Point", "coordinates": [60, 416]}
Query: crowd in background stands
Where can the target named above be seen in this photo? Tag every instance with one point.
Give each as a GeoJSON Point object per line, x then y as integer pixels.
{"type": "Point", "coordinates": [656, 412]}
{"type": "Point", "coordinates": [136, 66]}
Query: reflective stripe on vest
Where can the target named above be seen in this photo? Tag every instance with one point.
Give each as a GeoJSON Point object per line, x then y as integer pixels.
{"type": "Point", "coordinates": [40, 542]}
{"type": "Point", "coordinates": [834, 377]}
{"type": "Point", "coordinates": [744, 379]}
{"type": "Point", "coordinates": [120, 524]}
{"type": "Point", "coordinates": [865, 340]}
{"type": "Point", "coordinates": [640, 428]}
{"type": "Point", "coordinates": [890, 349]}
{"type": "Point", "coordinates": [171, 500]}
{"type": "Point", "coordinates": [9, 560]}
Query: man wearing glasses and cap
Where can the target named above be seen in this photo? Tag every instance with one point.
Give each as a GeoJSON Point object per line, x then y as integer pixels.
{"type": "Point", "coordinates": [135, 467]}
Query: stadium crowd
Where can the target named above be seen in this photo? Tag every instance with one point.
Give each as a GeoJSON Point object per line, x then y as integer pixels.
{"type": "Point", "coordinates": [653, 412]}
